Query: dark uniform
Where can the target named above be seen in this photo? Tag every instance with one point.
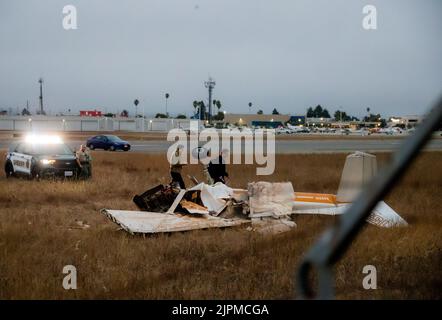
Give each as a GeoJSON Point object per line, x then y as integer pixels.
{"type": "Point", "coordinates": [217, 170]}
{"type": "Point", "coordinates": [176, 168]}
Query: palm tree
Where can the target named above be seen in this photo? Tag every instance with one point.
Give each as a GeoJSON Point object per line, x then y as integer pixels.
{"type": "Point", "coordinates": [250, 107]}
{"type": "Point", "coordinates": [195, 106]}
{"type": "Point", "coordinates": [136, 102]}
{"type": "Point", "coordinates": [368, 114]}
{"type": "Point", "coordinates": [202, 110]}
{"type": "Point", "coordinates": [167, 97]}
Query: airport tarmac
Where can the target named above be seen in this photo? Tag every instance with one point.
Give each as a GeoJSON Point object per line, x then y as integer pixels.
{"type": "Point", "coordinates": [283, 146]}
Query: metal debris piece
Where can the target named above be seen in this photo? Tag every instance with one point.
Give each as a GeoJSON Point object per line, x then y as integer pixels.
{"type": "Point", "coordinates": [159, 198]}
{"type": "Point", "coordinates": [79, 224]}
{"type": "Point", "coordinates": [272, 226]}
{"type": "Point", "coordinates": [177, 201]}
{"type": "Point", "coordinates": [214, 197]}
{"type": "Point", "coordinates": [268, 199]}
{"type": "Point", "coordinates": [193, 207]}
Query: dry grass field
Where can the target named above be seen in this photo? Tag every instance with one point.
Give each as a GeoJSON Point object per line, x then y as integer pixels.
{"type": "Point", "coordinates": [39, 235]}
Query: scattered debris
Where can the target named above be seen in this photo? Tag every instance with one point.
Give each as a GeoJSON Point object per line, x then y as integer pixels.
{"type": "Point", "coordinates": [267, 207]}
{"type": "Point", "coordinates": [80, 225]}
{"type": "Point", "coordinates": [192, 207]}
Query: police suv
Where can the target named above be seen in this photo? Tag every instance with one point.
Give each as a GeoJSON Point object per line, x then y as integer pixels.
{"type": "Point", "coordinates": [41, 156]}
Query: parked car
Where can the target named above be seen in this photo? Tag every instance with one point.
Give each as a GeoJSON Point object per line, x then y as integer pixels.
{"type": "Point", "coordinates": [107, 142]}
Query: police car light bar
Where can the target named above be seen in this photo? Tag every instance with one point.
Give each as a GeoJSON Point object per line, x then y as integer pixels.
{"type": "Point", "coordinates": [43, 139]}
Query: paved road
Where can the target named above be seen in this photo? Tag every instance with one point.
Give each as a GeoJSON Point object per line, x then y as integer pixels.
{"type": "Point", "coordinates": [286, 146]}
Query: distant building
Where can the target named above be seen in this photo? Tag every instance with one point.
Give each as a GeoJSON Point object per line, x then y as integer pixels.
{"type": "Point", "coordinates": [405, 121]}
{"type": "Point", "coordinates": [297, 120]}
{"type": "Point", "coordinates": [318, 122]}
{"type": "Point", "coordinates": [90, 113]}
{"type": "Point", "coordinates": [257, 120]}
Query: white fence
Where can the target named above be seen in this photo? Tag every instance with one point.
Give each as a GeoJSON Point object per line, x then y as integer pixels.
{"type": "Point", "coordinates": [43, 123]}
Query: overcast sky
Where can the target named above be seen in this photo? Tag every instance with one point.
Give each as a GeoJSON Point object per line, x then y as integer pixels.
{"type": "Point", "coordinates": [288, 54]}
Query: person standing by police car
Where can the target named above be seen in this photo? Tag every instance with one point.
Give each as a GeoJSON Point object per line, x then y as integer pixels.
{"type": "Point", "coordinates": [84, 160]}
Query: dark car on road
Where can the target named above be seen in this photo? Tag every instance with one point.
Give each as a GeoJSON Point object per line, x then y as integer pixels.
{"type": "Point", "coordinates": [40, 158]}
{"type": "Point", "coordinates": [107, 142]}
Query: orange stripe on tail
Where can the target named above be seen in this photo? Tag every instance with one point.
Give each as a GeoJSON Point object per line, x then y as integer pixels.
{"type": "Point", "coordinates": [315, 197]}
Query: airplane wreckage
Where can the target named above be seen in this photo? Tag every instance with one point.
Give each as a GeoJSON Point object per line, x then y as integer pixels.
{"type": "Point", "coordinates": [266, 207]}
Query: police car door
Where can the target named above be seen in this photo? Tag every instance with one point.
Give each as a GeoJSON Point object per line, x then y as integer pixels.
{"type": "Point", "coordinates": [20, 160]}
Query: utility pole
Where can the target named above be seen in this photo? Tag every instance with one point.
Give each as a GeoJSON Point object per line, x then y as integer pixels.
{"type": "Point", "coordinates": [210, 84]}
{"type": "Point", "coordinates": [40, 81]}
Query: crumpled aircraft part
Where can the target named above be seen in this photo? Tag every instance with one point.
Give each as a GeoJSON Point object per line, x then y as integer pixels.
{"type": "Point", "coordinates": [270, 199]}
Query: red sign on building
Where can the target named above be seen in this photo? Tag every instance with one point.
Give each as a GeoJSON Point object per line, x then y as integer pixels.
{"type": "Point", "coordinates": [90, 113]}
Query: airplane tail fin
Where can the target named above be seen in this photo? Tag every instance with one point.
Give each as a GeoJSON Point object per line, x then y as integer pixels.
{"type": "Point", "coordinates": [358, 170]}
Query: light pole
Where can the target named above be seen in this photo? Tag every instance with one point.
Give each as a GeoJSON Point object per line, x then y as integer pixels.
{"type": "Point", "coordinates": [210, 84]}
{"type": "Point", "coordinates": [40, 81]}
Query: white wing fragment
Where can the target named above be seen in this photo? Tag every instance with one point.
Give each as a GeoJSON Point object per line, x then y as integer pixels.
{"type": "Point", "coordinates": [154, 222]}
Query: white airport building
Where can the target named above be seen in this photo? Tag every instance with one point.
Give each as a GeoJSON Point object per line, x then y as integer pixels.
{"type": "Point", "coordinates": [78, 123]}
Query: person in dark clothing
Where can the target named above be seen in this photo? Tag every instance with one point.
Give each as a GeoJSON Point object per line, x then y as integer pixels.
{"type": "Point", "coordinates": [177, 178]}
{"type": "Point", "coordinates": [176, 167]}
{"type": "Point", "coordinates": [217, 168]}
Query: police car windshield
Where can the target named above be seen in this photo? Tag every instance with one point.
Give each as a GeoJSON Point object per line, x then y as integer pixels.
{"type": "Point", "coordinates": [49, 149]}
{"type": "Point", "coordinates": [114, 138]}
